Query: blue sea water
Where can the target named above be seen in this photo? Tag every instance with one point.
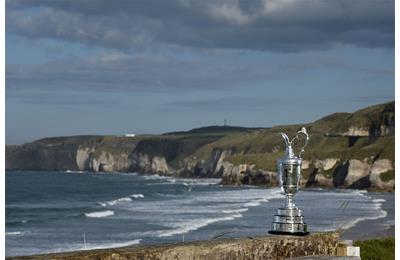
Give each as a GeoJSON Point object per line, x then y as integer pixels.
{"type": "Point", "coordinates": [65, 211]}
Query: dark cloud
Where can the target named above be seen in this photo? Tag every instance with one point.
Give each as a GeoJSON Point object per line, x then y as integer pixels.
{"type": "Point", "coordinates": [120, 72]}
{"type": "Point", "coordinates": [272, 25]}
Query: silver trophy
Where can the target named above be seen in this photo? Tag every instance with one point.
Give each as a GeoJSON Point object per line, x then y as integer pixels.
{"type": "Point", "coordinates": [288, 220]}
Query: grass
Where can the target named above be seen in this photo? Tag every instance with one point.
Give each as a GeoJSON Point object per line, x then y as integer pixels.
{"type": "Point", "coordinates": [260, 146]}
{"type": "Point", "coordinates": [377, 249]}
{"type": "Point", "coordinates": [262, 161]}
{"type": "Point", "coordinates": [387, 176]}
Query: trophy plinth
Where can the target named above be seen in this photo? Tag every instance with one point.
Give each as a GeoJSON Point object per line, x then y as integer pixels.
{"type": "Point", "coordinates": [288, 220]}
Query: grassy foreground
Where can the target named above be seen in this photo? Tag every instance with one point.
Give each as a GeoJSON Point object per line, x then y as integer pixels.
{"type": "Point", "coordinates": [376, 249]}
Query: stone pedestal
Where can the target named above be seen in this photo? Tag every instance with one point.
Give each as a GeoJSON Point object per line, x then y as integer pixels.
{"type": "Point", "coordinates": [267, 247]}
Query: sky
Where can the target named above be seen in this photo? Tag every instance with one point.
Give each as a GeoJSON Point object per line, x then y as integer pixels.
{"type": "Point", "coordinates": [115, 67]}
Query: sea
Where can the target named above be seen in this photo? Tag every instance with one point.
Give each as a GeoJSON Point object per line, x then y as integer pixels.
{"type": "Point", "coordinates": [66, 211]}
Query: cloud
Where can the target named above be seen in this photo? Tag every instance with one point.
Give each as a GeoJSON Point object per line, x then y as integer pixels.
{"type": "Point", "coordinates": [115, 71]}
{"type": "Point", "coordinates": [267, 25]}
{"type": "Point", "coordinates": [120, 72]}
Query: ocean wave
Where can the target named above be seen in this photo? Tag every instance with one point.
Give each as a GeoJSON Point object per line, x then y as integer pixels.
{"type": "Point", "coordinates": [16, 233]}
{"type": "Point", "coordinates": [137, 196]}
{"type": "Point", "coordinates": [376, 205]}
{"type": "Point", "coordinates": [183, 181]}
{"type": "Point", "coordinates": [350, 224]}
{"type": "Point", "coordinates": [201, 182]}
{"type": "Point", "coordinates": [73, 171]}
{"type": "Point", "coordinates": [154, 177]}
{"type": "Point", "coordinates": [100, 214]}
{"type": "Point", "coordinates": [113, 202]}
{"type": "Point", "coordinates": [90, 246]}
{"type": "Point", "coordinates": [24, 221]}
{"type": "Point", "coordinates": [120, 200]}
{"type": "Point", "coordinates": [235, 210]}
{"type": "Point", "coordinates": [195, 225]}
{"type": "Point", "coordinates": [255, 203]}
{"type": "Point", "coordinates": [272, 195]}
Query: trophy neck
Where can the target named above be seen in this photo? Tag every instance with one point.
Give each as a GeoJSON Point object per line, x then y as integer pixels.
{"type": "Point", "coordinates": [289, 152]}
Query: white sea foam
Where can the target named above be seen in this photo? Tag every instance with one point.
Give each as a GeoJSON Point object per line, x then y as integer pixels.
{"type": "Point", "coordinates": [71, 171]}
{"type": "Point", "coordinates": [352, 223]}
{"type": "Point", "coordinates": [376, 205]}
{"type": "Point", "coordinates": [154, 177]}
{"type": "Point", "coordinates": [15, 233]}
{"type": "Point", "coordinates": [113, 202]}
{"type": "Point", "coordinates": [137, 196]}
{"type": "Point", "coordinates": [90, 246]}
{"type": "Point", "coordinates": [235, 210]}
{"type": "Point", "coordinates": [100, 214]}
{"type": "Point", "coordinates": [195, 225]}
{"type": "Point", "coordinates": [121, 200]}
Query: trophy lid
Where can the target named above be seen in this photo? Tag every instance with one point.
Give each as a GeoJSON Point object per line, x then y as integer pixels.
{"type": "Point", "coordinates": [289, 157]}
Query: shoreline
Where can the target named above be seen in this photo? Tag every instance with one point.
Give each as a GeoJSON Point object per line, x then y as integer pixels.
{"type": "Point", "coordinates": [369, 190]}
{"type": "Point", "coordinates": [374, 228]}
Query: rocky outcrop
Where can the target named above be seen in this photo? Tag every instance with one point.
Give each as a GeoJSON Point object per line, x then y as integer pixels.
{"type": "Point", "coordinates": [159, 165]}
{"type": "Point", "coordinates": [325, 164]}
{"type": "Point", "coordinates": [108, 162]}
{"type": "Point", "coordinates": [212, 167]}
{"type": "Point", "coordinates": [357, 170]}
{"type": "Point", "coordinates": [144, 163]}
{"type": "Point", "coordinates": [361, 174]}
{"type": "Point", "coordinates": [58, 153]}
{"type": "Point", "coordinates": [356, 131]}
{"type": "Point", "coordinates": [378, 168]}
{"type": "Point", "coordinates": [245, 174]}
{"type": "Point", "coordinates": [83, 156]}
{"type": "Point", "coordinates": [267, 247]}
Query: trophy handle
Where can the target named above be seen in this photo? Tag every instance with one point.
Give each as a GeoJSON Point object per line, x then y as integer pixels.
{"type": "Point", "coordinates": [302, 131]}
{"type": "Point", "coordinates": [289, 142]}
{"type": "Point", "coordinates": [286, 138]}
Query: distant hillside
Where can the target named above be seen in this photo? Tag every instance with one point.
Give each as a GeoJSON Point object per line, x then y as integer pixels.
{"type": "Point", "coordinates": [345, 150]}
{"type": "Point", "coordinates": [215, 129]}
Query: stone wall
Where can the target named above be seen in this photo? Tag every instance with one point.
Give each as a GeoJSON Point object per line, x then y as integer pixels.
{"type": "Point", "coordinates": [268, 247]}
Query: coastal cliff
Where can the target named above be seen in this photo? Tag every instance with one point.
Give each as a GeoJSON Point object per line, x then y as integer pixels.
{"type": "Point", "coordinates": [346, 150]}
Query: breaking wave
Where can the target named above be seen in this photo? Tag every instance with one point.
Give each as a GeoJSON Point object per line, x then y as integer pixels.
{"type": "Point", "coordinates": [121, 200]}
{"type": "Point", "coordinates": [15, 233]}
{"type": "Point", "coordinates": [100, 214]}
{"type": "Point", "coordinates": [195, 225]}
